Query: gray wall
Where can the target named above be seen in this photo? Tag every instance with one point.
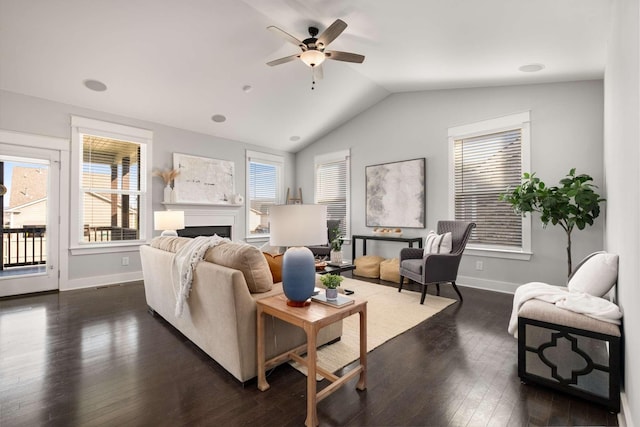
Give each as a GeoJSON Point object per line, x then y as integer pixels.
{"type": "Point", "coordinates": [621, 165]}
{"type": "Point", "coordinates": [33, 115]}
{"type": "Point", "coordinates": [566, 132]}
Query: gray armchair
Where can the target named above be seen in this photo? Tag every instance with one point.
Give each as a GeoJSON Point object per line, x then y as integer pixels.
{"type": "Point", "coordinates": [436, 268]}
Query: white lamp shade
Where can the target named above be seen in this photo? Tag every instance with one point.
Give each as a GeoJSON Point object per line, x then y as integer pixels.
{"type": "Point", "coordinates": [298, 225]}
{"type": "Point", "coordinates": [168, 220]}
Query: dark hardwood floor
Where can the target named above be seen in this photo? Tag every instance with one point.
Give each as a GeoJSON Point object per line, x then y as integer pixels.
{"type": "Point", "coordinates": [98, 358]}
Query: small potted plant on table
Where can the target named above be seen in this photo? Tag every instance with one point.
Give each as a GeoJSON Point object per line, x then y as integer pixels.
{"type": "Point", "coordinates": [331, 282]}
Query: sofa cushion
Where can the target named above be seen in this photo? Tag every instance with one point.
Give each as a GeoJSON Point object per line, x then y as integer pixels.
{"type": "Point", "coordinates": [275, 265]}
{"type": "Point", "coordinates": [596, 276]}
{"type": "Point", "coordinates": [168, 243]}
{"type": "Point", "coordinates": [246, 258]}
{"type": "Point", "coordinates": [239, 256]}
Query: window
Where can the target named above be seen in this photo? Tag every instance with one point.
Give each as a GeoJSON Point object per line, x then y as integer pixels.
{"type": "Point", "coordinates": [486, 158]}
{"type": "Point", "coordinates": [264, 189]}
{"type": "Point", "coordinates": [110, 203]}
{"type": "Point", "coordinates": [332, 187]}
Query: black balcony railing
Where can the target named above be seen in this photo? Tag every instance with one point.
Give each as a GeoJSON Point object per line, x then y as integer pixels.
{"type": "Point", "coordinates": [24, 246]}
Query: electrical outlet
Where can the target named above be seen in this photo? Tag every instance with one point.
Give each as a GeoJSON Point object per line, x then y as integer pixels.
{"type": "Point", "coordinates": [125, 260]}
{"type": "Point", "coordinates": [479, 265]}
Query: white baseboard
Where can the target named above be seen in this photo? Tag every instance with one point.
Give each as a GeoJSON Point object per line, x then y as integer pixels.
{"type": "Point", "coordinates": [94, 281]}
{"type": "Point", "coordinates": [624, 417]}
{"type": "Point", "coordinates": [489, 285]}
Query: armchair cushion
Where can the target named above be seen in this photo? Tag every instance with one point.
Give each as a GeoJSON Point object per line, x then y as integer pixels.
{"type": "Point", "coordinates": [596, 275]}
{"type": "Point", "coordinates": [438, 243]}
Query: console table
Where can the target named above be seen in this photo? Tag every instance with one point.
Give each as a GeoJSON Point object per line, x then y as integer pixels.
{"type": "Point", "coordinates": [364, 238]}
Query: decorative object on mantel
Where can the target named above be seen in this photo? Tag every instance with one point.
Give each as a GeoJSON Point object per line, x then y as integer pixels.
{"type": "Point", "coordinates": [573, 204]}
{"type": "Point", "coordinates": [204, 180]}
{"type": "Point", "coordinates": [168, 222]}
{"type": "Point", "coordinates": [395, 194]}
{"type": "Point", "coordinates": [294, 200]}
{"type": "Point", "coordinates": [168, 176]}
{"type": "Point", "coordinates": [298, 226]}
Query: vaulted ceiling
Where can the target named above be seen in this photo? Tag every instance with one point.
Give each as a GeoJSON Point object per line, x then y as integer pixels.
{"type": "Point", "coordinates": [181, 62]}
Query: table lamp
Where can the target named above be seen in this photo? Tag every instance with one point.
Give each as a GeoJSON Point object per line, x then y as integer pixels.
{"type": "Point", "coordinates": [297, 226]}
{"type": "Point", "coordinates": [168, 222]}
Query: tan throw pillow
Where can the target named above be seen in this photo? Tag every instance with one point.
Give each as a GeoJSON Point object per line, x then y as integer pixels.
{"type": "Point", "coordinates": [368, 266]}
{"type": "Point", "coordinates": [246, 258]}
{"type": "Point", "coordinates": [275, 265]}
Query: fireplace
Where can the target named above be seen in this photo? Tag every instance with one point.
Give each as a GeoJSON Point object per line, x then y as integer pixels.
{"type": "Point", "coordinates": [206, 230]}
{"type": "Point", "coordinates": [207, 220]}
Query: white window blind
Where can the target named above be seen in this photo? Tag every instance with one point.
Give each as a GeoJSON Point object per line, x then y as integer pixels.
{"type": "Point", "coordinates": [264, 174]}
{"type": "Point", "coordinates": [110, 187]}
{"type": "Point", "coordinates": [332, 187]}
{"type": "Point", "coordinates": [484, 167]}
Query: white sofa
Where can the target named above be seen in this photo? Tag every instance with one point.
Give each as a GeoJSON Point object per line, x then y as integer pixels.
{"type": "Point", "coordinates": [220, 314]}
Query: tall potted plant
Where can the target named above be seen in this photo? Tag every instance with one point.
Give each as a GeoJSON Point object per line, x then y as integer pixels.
{"type": "Point", "coordinates": [573, 203]}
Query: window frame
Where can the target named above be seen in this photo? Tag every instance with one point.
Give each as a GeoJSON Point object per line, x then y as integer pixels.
{"type": "Point", "coordinates": [520, 121]}
{"type": "Point", "coordinates": [267, 159]}
{"type": "Point", "coordinates": [342, 155]}
{"type": "Point", "coordinates": [144, 137]}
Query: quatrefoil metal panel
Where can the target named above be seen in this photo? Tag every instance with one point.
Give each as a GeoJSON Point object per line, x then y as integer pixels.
{"type": "Point", "coordinates": [555, 337]}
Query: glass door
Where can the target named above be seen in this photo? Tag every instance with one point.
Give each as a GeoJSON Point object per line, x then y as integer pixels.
{"type": "Point", "coordinates": [29, 184]}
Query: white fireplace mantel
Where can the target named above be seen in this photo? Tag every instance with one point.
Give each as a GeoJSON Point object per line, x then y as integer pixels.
{"type": "Point", "coordinates": [206, 214]}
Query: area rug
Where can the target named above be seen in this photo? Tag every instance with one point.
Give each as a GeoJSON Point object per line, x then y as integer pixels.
{"type": "Point", "coordinates": [389, 314]}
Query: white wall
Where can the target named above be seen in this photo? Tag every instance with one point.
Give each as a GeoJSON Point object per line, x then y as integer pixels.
{"type": "Point", "coordinates": [38, 116]}
{"type": "Point", "coordinates": [566, 132]}
{"type": "Point", "coordinates": [622, 179]}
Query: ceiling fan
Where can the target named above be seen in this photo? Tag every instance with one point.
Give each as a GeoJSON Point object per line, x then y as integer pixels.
{"type": "Point", "coordinates": [313, 51]}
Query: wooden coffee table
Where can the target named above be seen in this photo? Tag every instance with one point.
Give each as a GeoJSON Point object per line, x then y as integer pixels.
{"type": "Point", "coordinates": [311, 318]}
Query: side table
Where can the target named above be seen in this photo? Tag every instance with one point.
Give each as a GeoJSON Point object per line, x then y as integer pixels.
{"type": "Point", "coordinates": [311, 318]}
{"type": "Point", "coordinates": [364, 238]}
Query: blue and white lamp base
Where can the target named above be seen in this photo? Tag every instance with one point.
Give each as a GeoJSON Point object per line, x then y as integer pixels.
{"type": "Point", "coordinates": [298, 275]}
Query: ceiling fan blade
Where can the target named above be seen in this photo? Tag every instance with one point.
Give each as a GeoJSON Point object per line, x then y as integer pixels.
{"type": "Point", "coordinates": [330, 34]}
{"type": "Point", "coordinates": [344, 56]}
{"type": "Point", "coordinates": [283, 60]}
{"type": "Point", "coordinates": [288, 37]}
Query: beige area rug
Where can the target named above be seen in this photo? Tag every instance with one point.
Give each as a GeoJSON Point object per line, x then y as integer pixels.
{"type": "Point", "coordinates": [389, 314]}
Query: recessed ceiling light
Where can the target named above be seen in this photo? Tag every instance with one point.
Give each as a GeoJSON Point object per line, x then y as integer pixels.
{"type": "Point", "coordinates": [95, 85]}
{"type": "Point", "coordinates": [247, 88]}
{"type": "Point", "coordinates": [531, 68]}
{"type": "Point", "coordinates": [294, 138]}
{"type": "Point", "coordinates": [218, 118]}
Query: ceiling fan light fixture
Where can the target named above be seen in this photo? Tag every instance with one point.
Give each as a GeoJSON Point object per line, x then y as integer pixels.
{"type": "Point", "coordinates": [312, 57]}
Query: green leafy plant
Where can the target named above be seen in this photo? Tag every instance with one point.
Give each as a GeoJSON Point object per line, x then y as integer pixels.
{"type": "Point", "coordinates": [573, 203]}
{"type": "Point", "coordinates": [336, 243]}
{"type": "Point", "coordinates": [331, 281]}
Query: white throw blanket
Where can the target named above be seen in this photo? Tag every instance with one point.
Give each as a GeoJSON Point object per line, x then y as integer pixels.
{"type": "Point", "coordinates": [186, 259]}
{"type": "Point", "coordinates": [578, 302]}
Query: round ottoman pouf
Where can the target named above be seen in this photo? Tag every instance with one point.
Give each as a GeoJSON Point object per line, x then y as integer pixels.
{"type": "Point", "coordinates": [390, 270]}
{"type": "Point", "coordinates": [368, 266]}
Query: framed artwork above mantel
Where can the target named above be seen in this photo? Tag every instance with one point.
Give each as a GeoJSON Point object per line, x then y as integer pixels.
{"type": "Point", "coordinates": [204, 180]}
{"type": "Point", "coordinates": [395, 194]}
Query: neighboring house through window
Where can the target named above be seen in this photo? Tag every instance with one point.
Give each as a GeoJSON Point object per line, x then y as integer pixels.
{"type": "Point", "coordinates": [486, 158]}
{"type": "Point", "coordinates": [110, 204]}
{"type": "Point", "coordinates": [332, 187]}
{"type": "Point", "coordinates": [264, 189]}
